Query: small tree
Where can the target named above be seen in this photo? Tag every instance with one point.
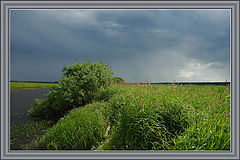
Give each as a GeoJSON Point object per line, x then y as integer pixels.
{"type": "Point", "coordinates": [118, 80]}
{"type": "Point", "coordinates": [76, 88]}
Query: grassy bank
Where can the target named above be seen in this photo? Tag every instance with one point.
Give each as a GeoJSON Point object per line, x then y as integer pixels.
{"type": "Point", "coordinates": [147, 117]}
{"type": "Point", "coordinates": [28, 85]}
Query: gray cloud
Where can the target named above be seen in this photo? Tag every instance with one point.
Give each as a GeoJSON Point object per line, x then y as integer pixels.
{"type": "Point", "coordinates": [155, 45]}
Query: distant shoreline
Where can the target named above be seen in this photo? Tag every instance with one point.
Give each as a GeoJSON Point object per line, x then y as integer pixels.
{"type": "Point", "coordinates": [187, 83]}
{"type": "Point", "coordinates": [177, 83]}
{"type": "Point", "coordinates": [35, 81]}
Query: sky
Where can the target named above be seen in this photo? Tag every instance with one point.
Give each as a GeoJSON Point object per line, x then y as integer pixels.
{"type": "Point", "coordinates": [140, 45]}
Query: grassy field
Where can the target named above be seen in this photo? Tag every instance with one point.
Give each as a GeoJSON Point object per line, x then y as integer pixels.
{"type": "Point", "coordinates": [27, 85]}
{"type": "Point", "coordinates": [146, 117]}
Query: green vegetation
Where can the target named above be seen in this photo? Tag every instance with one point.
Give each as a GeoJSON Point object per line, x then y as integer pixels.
{"type": "Point", "coordinates": [93, 111]}
{"type": "Point", "coordinates": [147, 117]}
{"type": "Point", "coordinates": [118, 80]}
{"type": "Point", "coordinates": [80, 129]}
{"type": "Point", "coordinates": [76, 88]}
{"type": "Point", "coordinates": [27, 85]}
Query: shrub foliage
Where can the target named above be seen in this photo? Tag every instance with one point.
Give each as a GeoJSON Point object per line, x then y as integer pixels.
{"type": "Point", "coordinates": [76, 88]}
{"type": "Point", "coordinates": [118, 80]}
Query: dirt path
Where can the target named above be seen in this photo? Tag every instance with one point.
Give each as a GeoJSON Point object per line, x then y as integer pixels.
{"type": "Point", "coordinates": [20, 102]}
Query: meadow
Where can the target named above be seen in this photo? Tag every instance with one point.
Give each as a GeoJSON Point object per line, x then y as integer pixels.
{"type": "Point", "coordinates": [91, 110]}
{"type": "Point", "coordinates": [29, 85]}
{"type": "Point", "coordinates": [146, 117]}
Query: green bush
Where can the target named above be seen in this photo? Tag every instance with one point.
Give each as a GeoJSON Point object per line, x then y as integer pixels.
{"type": "Point", "coordinates": [104, 94]}
{"type": "Point", "coordinates": [118, 80]}
{"type": "Point", "coordinates": [41, 109]}
{"type": "Point", "coordinates": [76, 88]}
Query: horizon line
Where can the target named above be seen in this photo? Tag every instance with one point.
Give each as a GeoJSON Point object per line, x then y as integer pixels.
{"type": "Point", "coordinates": [134, 82]}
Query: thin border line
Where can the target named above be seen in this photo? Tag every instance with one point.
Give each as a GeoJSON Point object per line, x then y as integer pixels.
{"type": "Point", "coordinates": [107, 9]}
{"type": "Point", "coordinates": [117, 151]}
{"type": "Point", "coordinates": [187, 8]}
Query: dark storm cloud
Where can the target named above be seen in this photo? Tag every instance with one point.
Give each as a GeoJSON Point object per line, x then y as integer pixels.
{"type": "Point", "coordinates": [157, 45]}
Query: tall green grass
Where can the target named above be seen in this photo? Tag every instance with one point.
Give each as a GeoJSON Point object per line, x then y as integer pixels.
{"type": "Point", "coordinates": [81, 129]}
{"type": "Point", "coordinates": [147, 117]}
{"type": "Point", "coordinates": [210, 127]}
